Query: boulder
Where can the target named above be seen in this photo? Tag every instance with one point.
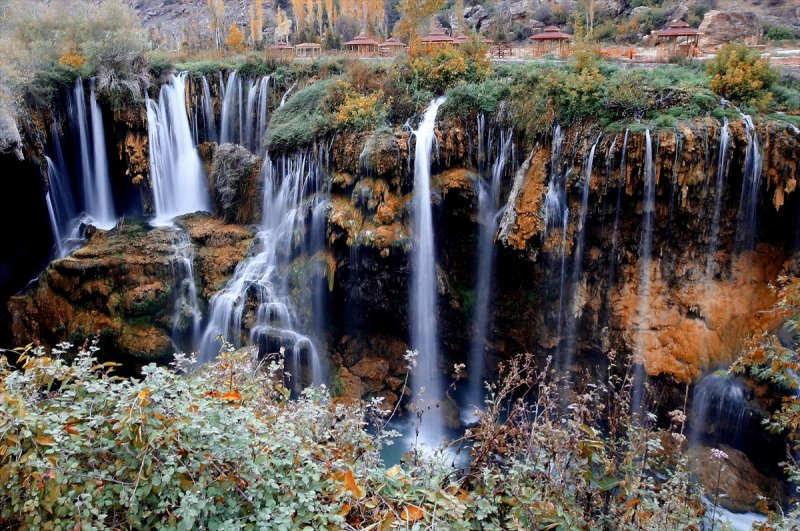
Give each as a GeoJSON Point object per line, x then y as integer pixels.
{"type": "Point", "coordinates": [720, 27]}
{"type": "Point", "coordinates": [737, 485]}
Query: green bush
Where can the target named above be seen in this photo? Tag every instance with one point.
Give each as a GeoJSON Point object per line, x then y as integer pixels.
{"type": "Point", "coordinates": [781, 32]}
{"type": "Point", "coordinates": [653, 19]}
{"type": "Point", "coordinates": [469, 99]}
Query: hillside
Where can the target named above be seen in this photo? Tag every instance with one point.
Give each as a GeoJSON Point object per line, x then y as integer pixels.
{"type": "Point", "coordinates": [173, 20]}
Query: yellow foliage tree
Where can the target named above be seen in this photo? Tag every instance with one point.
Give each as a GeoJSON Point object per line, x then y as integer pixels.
{"type": "Point", "coordinates": [235, 40]}
{"type": "Point", "coordinates": [298, 11]}
{"type": "Point", "coordinates": [741, 75]}
{"type": "Point", "coordinates": [414, 14]}
{"type": "Point", "coordinates": [256, 22]}
{"type": "Point", "coordinates": [216, 9]}
{"type": "Point", "coordinates": [283, 26]}
{"type": "Point", "coordinates": [330, 9]}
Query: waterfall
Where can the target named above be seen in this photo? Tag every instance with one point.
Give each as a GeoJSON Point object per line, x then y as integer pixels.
{"type": "Point", "coordinates": [561, 277]}
{"type": "Point", "coordinates": [51, 214]}
{"type": "Point", "coordinates": [59, 219]}
{"type": "Point", "coordinates": [263, 114]}
{"type": "Point", "coordinates": [488, 214]}
{"type": "Point", "coordinates": [179, 181]}
{"type": "Point", "coordinates": [722, 171]}
{"type": "Point", "coordinates": [746, 225]}
{"type": "Point", "coordinates": [648, 208]}
{"type": "Point", "coordinates": [424, 294]}
{"type": "Point", "coordinates": [286, 94]}
{"type": "Point", "coordinates": [244, 111]}
{"type": "Point", "coordinates": [186, 315]}
{"type": "Point", "coordinates": [577, 259]}
{"type": "Point", "coordinates": [556, 194]}
{"type": "Point", "coordinates": [227, 126]}
{"type": "Point", "coordinates": [97, 202]}
{"type": "Point", "coordinates": [720, 407]}
{"type": "Point", "coordinates": [259, 285]}
{"type": "Point", "coordinates": [60, 200]}
{"type": "Point", "coordinates": [208, 112]}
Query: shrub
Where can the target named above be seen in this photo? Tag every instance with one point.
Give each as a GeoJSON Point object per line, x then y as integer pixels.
{"type": "Point", "coordinates": [742, 76]}
{"type": "Point", "coordinates": [652, 19]}
{"type": "Point", "coordinates": [781, 32]}
{"type": "Point", "coordinates": [696, 13]}
{"type": "Point", "coordinates": [469, 99]}
{"type": "Point", "coordinates": [353, 109]}
{"type": "Point", "coordinates": [438, 69]}
{"type": "Point", "coordinates": [94, 39]}
{"type": "Point", "coordinates": [225, 446]}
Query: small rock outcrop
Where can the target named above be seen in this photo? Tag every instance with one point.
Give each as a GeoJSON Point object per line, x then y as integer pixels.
{"type": "Point", "coordinates": [234, 180]}
{"type": "Point", "coordinates": [119, 287]}
{"type": "Point", "coordinates": [720, 27]}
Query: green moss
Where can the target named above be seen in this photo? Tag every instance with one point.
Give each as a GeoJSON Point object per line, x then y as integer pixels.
{"type": "Point", "coordinates": [301, 120]}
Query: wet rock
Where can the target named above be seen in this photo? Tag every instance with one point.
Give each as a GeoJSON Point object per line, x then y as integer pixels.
{"type": "Point", "coordinates": [736, 479]}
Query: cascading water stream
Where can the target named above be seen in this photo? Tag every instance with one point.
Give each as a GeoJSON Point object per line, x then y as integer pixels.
{"type": "Point", "coordinates": [648, 207]}
{"type": "Point", "coordinates": [186, 316]}
{"type": "Point", "coordinates": [208, 112]}
{"type": "Point", "coordinates": [577, 260]}
{"type": "Point", "coordinates": [61, 206]}
{"type": "Point", "coordinates": [227, 124]}
{"type": "Point", "coordinates": [720, 409]}
{"type": "Point", "coordinates": [747, 219]}
{"type": "Point", "coordinates": [719, 190]}
{"type": "Point", "coordinates": [554, 199]}
{"type": "Point", "coordinates": [97, 202]}
{"type": "Point", "coordinates": [244, 111]}
{"type": "Point", "coordinates": [259, 285]}
{"type": "Point", "coordinates": [178, 179]}
{"type": "Point", "coordinates": [427, 388]}
{"type": "Point", "coordinates": [488, 214]}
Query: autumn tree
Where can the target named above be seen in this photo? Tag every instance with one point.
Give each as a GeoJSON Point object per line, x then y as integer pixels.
{"type": "Point", "coordinates": [458, 11]}
{"type": "Point", "coordinates": [588, 8]}
{"type": "Point", "coordinates": [283, 26]}
{"type": "Point", "coordinates": [742, 76]}
{"type": "Point", "coordinates": [235, 40]}
{"type": "Point", "coordinates": [256, 22]}
{"type": "Point", "coordinates": [216, 9]}
{"type": "Point", "coordinates": [298, 12]}
{"type": "Point", "coordinates": [414, 14]}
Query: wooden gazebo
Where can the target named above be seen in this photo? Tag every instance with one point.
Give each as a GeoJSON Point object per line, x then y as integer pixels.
{"type": "Point", "coordinates": [678, 38]}
{"type": "Point", "coordinates": [391, 47]}
{"type": "Point", "coordinates": [362, 45]}
{"type": "Point", "coordinates": [438, 37]}
{"type": "Point", "coordinates": [550, 40]}
{"type": "Point", "coordinates": [308, 50]}
{"type": "Point", "coordinates": [282, 50]}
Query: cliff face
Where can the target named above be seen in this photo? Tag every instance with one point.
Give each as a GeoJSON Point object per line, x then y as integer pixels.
{"type": "Point", "coordinates": [704, 298]}
{"type": "Point", "coordinates": [575, 289]}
